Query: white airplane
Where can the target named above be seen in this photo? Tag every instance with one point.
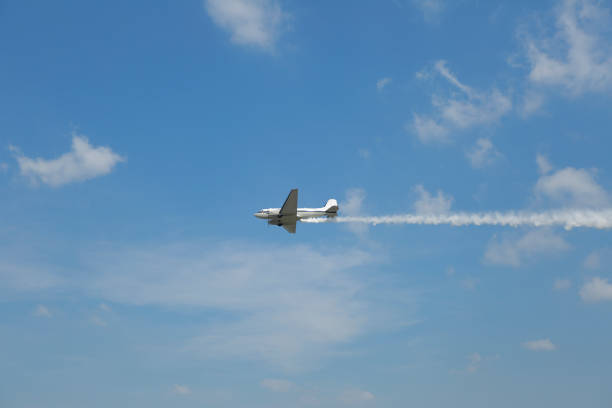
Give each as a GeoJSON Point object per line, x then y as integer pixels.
{"type": "Point", "coordinates": [289, 214]}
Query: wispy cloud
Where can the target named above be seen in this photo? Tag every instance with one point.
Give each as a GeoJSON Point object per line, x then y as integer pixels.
{"type": "Point", "coordinates": [290, 305]}
{"type": "Point", "coordinates": [83, 162]}
{"type": "Point", "coordinates": [256, 23]}
{"type": "Point", "coordinates": [540, 345]}
{"type": "Point", "coordinates": [483, 153]}
{"type": "Point", "coordinates": [596, 290]}
{"type": "Point", "coordinates": [458, 111]}
{"type": "Point", "coordinates": [544, 166]}
{"type": "Point", "coordinates": [513, 252]}
{"type": "Point", "coordinates": [382, 83]}
{"type": "Point", "coordinates": [353, 205]}
{"type": "Point", "coordinates": [577, 56]}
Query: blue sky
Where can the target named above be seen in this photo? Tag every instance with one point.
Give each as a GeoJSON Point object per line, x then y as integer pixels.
{"type": "Point", "coordinates": [138, 138]}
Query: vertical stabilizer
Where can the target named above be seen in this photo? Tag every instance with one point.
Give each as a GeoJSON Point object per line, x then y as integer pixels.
{"type": "Point", "coordinates": [331, 206]}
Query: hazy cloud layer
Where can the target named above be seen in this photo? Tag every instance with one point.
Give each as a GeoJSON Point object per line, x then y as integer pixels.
{"type": "Point", "coordinates": [289, 305]}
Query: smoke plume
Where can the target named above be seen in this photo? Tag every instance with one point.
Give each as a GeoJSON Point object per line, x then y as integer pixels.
{"type": "Point", "coordinates": [600, 219]}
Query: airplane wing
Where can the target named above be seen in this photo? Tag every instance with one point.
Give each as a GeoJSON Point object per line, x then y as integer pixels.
{"type": "Point", "coordinates": [290, 228]}
{"type": "Point", "coordinates": [290, 206]}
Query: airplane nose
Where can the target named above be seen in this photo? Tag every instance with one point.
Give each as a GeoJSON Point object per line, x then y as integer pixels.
{"type": "Point", "coordinates": [257, 214]}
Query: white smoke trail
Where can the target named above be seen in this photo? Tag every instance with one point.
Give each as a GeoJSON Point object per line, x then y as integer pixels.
{"type": "Point", "coordinates": [600, 219]}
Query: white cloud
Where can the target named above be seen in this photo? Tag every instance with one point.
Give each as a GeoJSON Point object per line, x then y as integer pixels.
{"type": "Point", "coordinates": [181, 389]}
{"type": "Point", "coordinates": [41, 311]}
{"type": "Point", "coordinates": [461, 111]}
{"type": "Point", "coordinates": [382, 83]}
{"type": "Point", "coordinates": [596, 290]}
{"type": "Point", "coordinates": [577, 57]}
{"type": "Point", "coordinates": [277, 385]}
{"type": "Point", "coordinates": [428, 204]}
{"type": "Point", "coordinates": [257, 23]}
{"type": "Point", "coordinates": [573, 187]}
{"type": "Point", "coordinates": [83, 162]}
{"type": "Point", "coordinates": [355, 396]}
{"type": "Point", "coordinates": [513, 252]}
{"type": "Point", "coordinates": [540, 345]}
{"type": "Point", "coordinates": [562, 284]}
{"type": "Point", "coordinates": [483, 154]}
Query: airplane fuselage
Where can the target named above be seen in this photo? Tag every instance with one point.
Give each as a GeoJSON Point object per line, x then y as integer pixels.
{"type": "Point", "coordinates": [273, 213]}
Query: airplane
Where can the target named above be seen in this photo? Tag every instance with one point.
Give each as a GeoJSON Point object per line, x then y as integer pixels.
{"type": "Point", "coordinates": [289, 214]}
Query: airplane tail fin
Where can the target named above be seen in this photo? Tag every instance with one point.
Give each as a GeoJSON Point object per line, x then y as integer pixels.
{"type": "Point", "coordinates": [331, 206]}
